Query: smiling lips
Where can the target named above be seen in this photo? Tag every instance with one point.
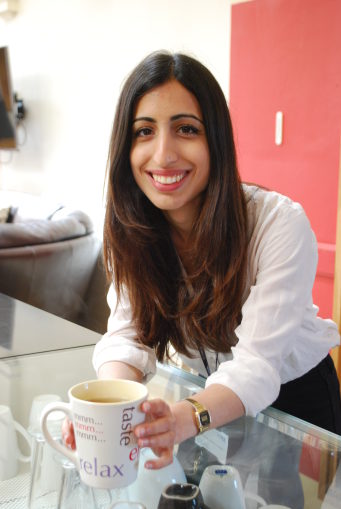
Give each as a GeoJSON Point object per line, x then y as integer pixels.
{"type": "Point", "coordinates": [167, 179]}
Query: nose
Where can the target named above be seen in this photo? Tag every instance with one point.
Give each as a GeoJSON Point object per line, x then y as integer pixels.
{"type": "Point", "coordinates": [165, 153]}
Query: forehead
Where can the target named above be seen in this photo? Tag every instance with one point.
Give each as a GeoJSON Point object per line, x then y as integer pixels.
{"type": "Point", "coordinates": [170, 98]}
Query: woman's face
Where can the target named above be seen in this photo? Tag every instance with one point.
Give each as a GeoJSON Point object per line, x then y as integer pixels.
{"type": "Point", "coordinates": [169, 154]}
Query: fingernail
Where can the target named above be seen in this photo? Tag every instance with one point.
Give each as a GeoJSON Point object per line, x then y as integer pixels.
{"type": "Point", "coordinates": [146, 407]}
{"type": "Point", "coordinates": [148, 465]}
{"type": "Point", "coordinates": [143, 443]}
{"type": "Point", "coordinates": [140, 432]}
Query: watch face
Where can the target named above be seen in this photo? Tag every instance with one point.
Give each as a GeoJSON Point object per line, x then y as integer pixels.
{"type": "Point", "coordinates": [205, 418]}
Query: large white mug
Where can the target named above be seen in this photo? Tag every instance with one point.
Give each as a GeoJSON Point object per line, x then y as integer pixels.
{"type": "Point", "coordinates": [104, 414]}
{"type": "Point", "coordinates": [10, 453]}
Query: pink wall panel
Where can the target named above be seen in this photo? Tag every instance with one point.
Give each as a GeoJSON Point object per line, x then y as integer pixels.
{"type": "Point", "coordinates": [285, 56]}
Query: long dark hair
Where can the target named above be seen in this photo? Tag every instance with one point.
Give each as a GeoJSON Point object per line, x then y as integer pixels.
{"type": "Point", "coordinates": [138, 250]}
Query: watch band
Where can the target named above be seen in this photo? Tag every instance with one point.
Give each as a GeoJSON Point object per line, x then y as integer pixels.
{"type": "Point", "coordinates": [202, 415]}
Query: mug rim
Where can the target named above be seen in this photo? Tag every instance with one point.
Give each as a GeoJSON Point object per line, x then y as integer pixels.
{"type": "Point", "coordinates": [167, 496]}
{"type": "Point", "coordinates": [143, 394]}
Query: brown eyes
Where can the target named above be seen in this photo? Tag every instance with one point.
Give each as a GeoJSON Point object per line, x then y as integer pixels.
{"type": "Point", "coordinates": [144, 131]}
{"type": "Point", "coordinates": [186, 129]}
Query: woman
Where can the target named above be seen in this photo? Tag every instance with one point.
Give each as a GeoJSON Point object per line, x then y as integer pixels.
{"type": "Point", "coordinates": [219, 271]}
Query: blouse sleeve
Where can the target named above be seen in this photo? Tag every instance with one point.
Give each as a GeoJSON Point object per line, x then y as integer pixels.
{"type": "Point", "coordinates": [283, 259]}
{"type": "Point", "coordinates": [120, 342]}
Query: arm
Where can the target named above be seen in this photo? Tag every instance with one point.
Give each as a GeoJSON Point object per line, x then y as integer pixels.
{"type": "Point", "coordinates": [117, 369]}
{"type": "Point", "coordinates": [221, 402]}
{"type": "Point", "coordinates": [272, 348]}
{"type": "Point", "coordinates": [118, 354]}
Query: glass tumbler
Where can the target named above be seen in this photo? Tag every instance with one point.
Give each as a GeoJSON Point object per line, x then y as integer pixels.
{"type": "Point", "coordinates": [46, 470]}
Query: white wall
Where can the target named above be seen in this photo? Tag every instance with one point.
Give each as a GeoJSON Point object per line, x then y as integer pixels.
{"type": "Point", "coordinates": [69, 59]}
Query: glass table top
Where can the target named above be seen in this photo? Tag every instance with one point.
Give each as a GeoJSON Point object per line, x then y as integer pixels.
{"type": "Point", "coordinates": [279, 459]}
{"type": "Point", "coordinates": [25, 329]}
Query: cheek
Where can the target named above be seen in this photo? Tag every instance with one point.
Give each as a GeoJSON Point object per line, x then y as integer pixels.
{"type": "Point", "coordinates": [137, 158]}
{"type": "Point", "coordinates": [205, 158]}
{"type": "Point", "coordinates": [204, 163]}
{"type": "Point", "coordinates": [198, 153]}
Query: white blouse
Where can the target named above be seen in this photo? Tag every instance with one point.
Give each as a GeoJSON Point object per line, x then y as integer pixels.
{"type": "Point", "coordinates": [280, 336]}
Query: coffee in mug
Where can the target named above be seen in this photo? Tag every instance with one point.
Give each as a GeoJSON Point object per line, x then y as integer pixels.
{"type": "Point", "coordinates": [104, 414]}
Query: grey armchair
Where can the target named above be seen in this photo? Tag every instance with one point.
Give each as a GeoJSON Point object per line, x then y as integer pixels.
{"type": "Point", "coordinates": [55, 264]}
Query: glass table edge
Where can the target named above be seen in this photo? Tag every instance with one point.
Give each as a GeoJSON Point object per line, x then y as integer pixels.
{"type": "Point", "coordinates": [300, 428]}
{"type": "Point", "coordinates": [46, 351]}
{"type": "Point", "coordinates": [295, 426]}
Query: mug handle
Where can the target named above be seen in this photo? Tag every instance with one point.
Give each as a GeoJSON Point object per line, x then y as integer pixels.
{"type": "Point", "coordinates": [66, 408]}
{"type": "Point", "coordinates": [20, 429]}
{"type": "Point", "coordinates": [256, 498]}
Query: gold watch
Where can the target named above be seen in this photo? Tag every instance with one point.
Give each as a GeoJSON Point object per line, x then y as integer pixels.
{"type": "Point", "coordinates": [202, 415]}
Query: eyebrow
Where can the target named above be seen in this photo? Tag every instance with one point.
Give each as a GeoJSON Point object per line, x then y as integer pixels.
{"type": "Point", "coordinates": [174, 117]}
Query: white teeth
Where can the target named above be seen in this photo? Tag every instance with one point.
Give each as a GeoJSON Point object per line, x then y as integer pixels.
{"type": "Point", "coordinates": [168, 180]}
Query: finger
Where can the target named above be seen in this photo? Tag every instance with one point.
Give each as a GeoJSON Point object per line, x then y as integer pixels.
{"type": "Point", "coordinates": [165, 457]}
{"type": "Point", "coordinates": [68, 435]}
{"type": "Point", "coordinates": [69, 440]}
{"type": "Point", "coordinates": [67, 426]}
{"type": "Point", "coordinates": [156, 407]}
{"type": "Point", "coordinates": [160, 425]}
{"type": "Point", "coordinates": [163, 440]}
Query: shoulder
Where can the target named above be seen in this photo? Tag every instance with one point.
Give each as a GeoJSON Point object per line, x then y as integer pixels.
{"type": "Point", "coordinates": [263, 201]}
{"type": "Point", "coordinates": [270, 209]}
{"type": "Point", "coordinates": [279, 232]}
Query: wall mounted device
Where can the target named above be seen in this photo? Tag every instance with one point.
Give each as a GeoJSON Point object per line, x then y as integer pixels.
{"type": "Point", "coordinates": [279, 128]}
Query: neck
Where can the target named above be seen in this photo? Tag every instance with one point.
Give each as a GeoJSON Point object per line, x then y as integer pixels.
{"type": "Point", "coordinates": [181, 222]}
{"type": "Point", "coordinates": [181, 233]}
{"type": "Point", "coordinates": [182, 240]}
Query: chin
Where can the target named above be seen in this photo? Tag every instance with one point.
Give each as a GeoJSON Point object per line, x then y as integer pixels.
{"type": "Point", "coordinates": [166, 205]}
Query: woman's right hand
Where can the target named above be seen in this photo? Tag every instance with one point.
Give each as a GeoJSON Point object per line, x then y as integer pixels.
{"type": "Point", "coordinates": [158, 432]}
{"type": "Point", "coordinates": [68, 434]}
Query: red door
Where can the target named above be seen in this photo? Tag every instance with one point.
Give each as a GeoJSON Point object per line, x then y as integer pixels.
{"type": "Point", "coordinates": [285, 57]}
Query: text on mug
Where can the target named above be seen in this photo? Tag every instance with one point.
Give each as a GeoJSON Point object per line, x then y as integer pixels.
{"type": "Point", "coordinates": [126, 427]}
{"type": "Point", "coordinates": [91, 468]}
